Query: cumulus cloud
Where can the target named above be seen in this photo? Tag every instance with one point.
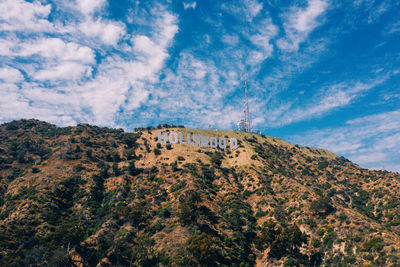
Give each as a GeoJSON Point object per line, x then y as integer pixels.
{"type": "Point", "coordinates": [196, 93]}
{"type": "Point", "coordinates": [10, 75]}
{"type": "Point", "coordinates": [19, 15]}
{"type": "Point", "coordinates": [65, 71]}
{"type": "Point", "coordinates": [68, 82]}
{"type": "Point", "coordinates": [54, 48]}
{"type": "Point", "coordinates": [108, 32]}
{"type": "Point", "coordinates": [127, 83]}
{"type": "Point", "coordinates": [59, 59]}
{"type": "Point", "coordinates": [87, 7]}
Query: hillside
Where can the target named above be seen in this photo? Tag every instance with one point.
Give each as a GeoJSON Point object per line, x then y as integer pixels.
{"type": "Point", "coordinates": [90, 196]}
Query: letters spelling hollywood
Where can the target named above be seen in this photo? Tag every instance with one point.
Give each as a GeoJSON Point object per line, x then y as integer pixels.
{"type": "Point", "coordinates": [196, 140]}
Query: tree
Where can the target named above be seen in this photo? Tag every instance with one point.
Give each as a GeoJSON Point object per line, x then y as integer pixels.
{"type": "Point", "coordinates": [157, 151]}
{"type": "Point", "coordinates": [117, 171]}
{"type": "Point", "coordinates": [287, 242]}
{"type": "Point", "coordinates": [188, 210]}
{"type": "Point", "coordinates": [204, 249]}
{"type": "Point", "coordinates": [132, 170]}
{"type": "Point", "coordinates": [174, 166]}
{"type": "Point", "coordinates": [280, 214]}
{"type": "Point", "coordinates": [216, 159]}
{"type": "Point", "coordinates": [322, 206]}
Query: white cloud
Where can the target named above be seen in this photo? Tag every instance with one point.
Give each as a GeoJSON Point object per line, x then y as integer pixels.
{"type": "Point", "coordinates": [261, 39]}
{"type": "Point", "coordinates": [372, 141]}
{"type": "Point", "coordinates": [19, 15]}
{"type": "Point", "coordinates": [253, 7]}
{"type": "Point", "coordinates": [127, 83]}
{"type": "Point", "coordinates": [299, 23]}
{"type": "Point", "coordinates": [10, 75]}
{"type": "Point", "coordinates": [335, 96]}
{"type": "Point", "coordinates": [48, 48]}
{"type": "Point", "coordinates": [369, 158]}
{"type": "Point", "coordinates": [230, 39]}
{"type": "Point", "coordinates": [246, 10]}
{"type": "Point", "coordinates": [189, 5]}
{"type": "Point", "coordinates": [109, 32]}
{"type": "Point", "coordinates": [196, 93]}
{"type": "Point", "coordinates": [394, 28]}
{"type": "Point", "coordinates": [54, 58]}
{"type": "Point", "coordinates": [388, 142]}
{"type": "Point", "coordinates": [87, 7]}
{"type": "Point", "coordinates": [65, 71]}
{"type": "Point", "coordinates": [55, 48]}
{"type": "Point", "coordinates": [377, 12]}
{"type": "Point", "coordinates": [67, 83]}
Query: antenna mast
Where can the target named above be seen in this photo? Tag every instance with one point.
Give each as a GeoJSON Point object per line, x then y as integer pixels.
{"type": "Point", "coordinates": [247, 121]}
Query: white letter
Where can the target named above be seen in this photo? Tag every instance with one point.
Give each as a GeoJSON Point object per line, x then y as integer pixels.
{"type": "Point", "coordinates": [222, 143]}
{"type": "Point", "coordinates": [196, 139]}
{"type": "Point", "coordinates": [181, 139]}
{"type": "Point", "coordinates": [173, 140]}
{"type": "Point", "coordinates": [188, 140]}
{"type": "Point", "coordinates": [162, 136]}
{"type": "Point", "coordinates": [213, 142]}
{"type": "Point", "coordinates": [233, 143]}
{"type": "Point", "coordinates": [204, 141]}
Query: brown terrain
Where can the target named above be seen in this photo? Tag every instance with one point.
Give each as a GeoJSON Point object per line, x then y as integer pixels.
{"type": "Point", "coordinates": [91, 196]}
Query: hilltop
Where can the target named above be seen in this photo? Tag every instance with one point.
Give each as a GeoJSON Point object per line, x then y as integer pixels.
{"type": "Point", "coordinates": [91, 196]}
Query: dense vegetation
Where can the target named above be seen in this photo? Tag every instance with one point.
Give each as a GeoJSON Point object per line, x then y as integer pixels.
{"type": "Point", "coordinates": [87, 196]}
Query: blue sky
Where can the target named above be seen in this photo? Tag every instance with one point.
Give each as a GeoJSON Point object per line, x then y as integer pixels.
{"type": "Point", "coordinates": [320, 73]}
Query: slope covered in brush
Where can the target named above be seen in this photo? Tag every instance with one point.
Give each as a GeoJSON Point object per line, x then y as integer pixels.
{"type": "Point", "coordinates": [92, 196]}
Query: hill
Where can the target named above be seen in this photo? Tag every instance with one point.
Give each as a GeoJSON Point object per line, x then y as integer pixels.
{"type": "Point", "coordinates": [91, 196]}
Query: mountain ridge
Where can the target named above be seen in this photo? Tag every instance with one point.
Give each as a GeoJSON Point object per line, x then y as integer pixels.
{"type": "Point", "coordinates": [135, 202]}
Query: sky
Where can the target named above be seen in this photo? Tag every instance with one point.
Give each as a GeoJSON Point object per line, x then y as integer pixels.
{"type": "Point", "coordinates": [320, 73]}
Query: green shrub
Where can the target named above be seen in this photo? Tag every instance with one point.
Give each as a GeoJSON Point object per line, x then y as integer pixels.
{"type": "Point", "coordinates": [322, 206]}
{"type": "Point", "coordinates": [157, 151]}
{"type": "Point", "coordinates": [342, 217]}
{"type": "Point", "coordinates": [374, 244]}
{"type": "Point", "coordinates": [35, 170]}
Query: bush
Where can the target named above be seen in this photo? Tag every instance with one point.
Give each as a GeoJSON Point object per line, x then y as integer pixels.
{"type": "Point", "coordinates": [375, 243]}
{"type": "Point", "coordinates": [157, 151]}
{"type": "Point", "coordinates": [188, 207]}
{"type": "Point", "coordinates": [246, 193]}
{"type": "Point", "coordinates": [280, 214]}
{"type": "Point", "coordinates": [174, 166]}
{"type": "Point", "coordinates": [342, 217]}
{"type": "Point", "coordinates": [322, 206]}
{"type": "Point", "coordinates": [132, 170]}
{"type": "Point", "coordinates": [282, 241]}
{"type": "Point", "coordinates": [216, 159]}
{"type": "Point", "coordinates": [204, 250]}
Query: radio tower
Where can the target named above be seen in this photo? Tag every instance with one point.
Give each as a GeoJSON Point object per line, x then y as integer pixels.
{"type": "Point", "coordinates": [247, 121]}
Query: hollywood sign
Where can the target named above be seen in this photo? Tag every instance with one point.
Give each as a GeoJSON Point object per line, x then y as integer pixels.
{"type": "Point", "coordinates": [196, 140]}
